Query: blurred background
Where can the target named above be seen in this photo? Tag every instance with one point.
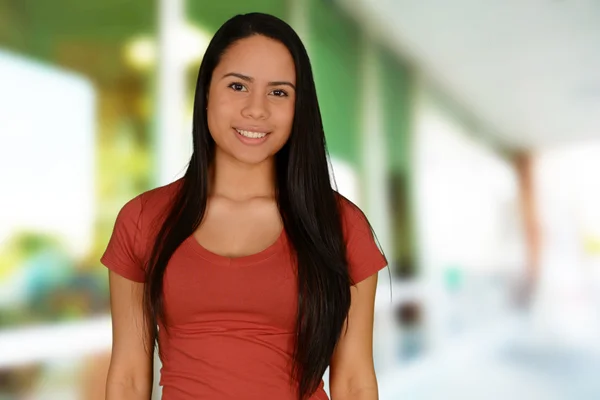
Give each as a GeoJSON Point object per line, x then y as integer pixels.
{"type": "Point", "coordinates": [468, 132]}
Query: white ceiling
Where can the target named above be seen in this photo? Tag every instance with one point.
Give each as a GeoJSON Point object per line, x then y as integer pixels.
{"type": "Point", "coordinates": [530, 70]}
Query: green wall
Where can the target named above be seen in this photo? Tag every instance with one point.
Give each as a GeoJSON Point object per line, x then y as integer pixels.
{"type": "Point", "coordinates": [211, 14]}
{"type": "Point", "coordinates": [335, 56]}
{"type": "Point", "coordinates": [395, 81]}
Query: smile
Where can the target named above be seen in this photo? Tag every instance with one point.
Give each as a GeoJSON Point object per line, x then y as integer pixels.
{"type": "Point", "coordinates": [251, 134]}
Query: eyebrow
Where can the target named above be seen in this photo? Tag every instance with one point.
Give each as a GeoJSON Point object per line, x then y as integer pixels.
{"type": "Point", "coordinates": [250, 79]}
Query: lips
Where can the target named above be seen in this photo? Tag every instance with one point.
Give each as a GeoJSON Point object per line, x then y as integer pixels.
{"type": "Point", "coordinates": [252, 134]}
{"type": "Point", "coordinates": [251, 137]}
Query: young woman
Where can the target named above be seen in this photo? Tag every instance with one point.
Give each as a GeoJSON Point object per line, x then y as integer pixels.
{"type": "Point", "coordinates": [251, 272]}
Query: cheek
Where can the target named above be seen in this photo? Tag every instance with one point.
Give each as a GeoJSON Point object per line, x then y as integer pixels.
{"type": "Point", "coordinates": [216, 106]}
{"type": "Point", "coordinates": [212, 120]}
{"type": "Point", "coordinates": [285, 123]}
{"type": "Point", "coordinates": [286, 115]}
{"type": "Point", "coordinates": [217, 115]}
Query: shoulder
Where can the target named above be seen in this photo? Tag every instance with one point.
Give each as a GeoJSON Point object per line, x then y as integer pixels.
{"type": "Point", "coordinates": [353, 218]}
{"type": "Point", "coordinates": [362, 251]}
{"type": "Point", "coordinates": [154, 202]}
{"type": "Point", "coordinates": [146, 209]}
{"type": "Point", "coordinates": [128, 247]}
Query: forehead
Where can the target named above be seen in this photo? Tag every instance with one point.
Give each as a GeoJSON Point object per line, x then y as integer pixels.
{"type": "Point", "coordinates": [260, 57]}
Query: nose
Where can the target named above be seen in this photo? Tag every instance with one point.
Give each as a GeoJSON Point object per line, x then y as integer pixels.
{"type": "Point", "coordinates": [256, 107]}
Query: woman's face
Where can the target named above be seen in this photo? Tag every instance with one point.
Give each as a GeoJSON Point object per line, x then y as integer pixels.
{"type": "Point", "coordinates": [251, 99]}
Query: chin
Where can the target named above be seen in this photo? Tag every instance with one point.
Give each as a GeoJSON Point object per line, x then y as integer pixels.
{"type": "Point", "coordinates": [252, 159]}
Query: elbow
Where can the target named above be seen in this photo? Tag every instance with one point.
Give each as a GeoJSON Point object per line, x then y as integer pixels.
{"type": "Point", "coordinates": [363, 389]}
{"type": "Point", "coordinates": [128, 386]}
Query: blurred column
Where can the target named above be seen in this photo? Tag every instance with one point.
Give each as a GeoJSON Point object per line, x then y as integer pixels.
{"type": "Point", "coordinates": [170, 94]}
{"type": "Point", "coordinates": [376, 197]}
{"type": "Point", "coordinates": [299, 20]}
{"type": "Point", "coordinates": [524, 164]}
{"type": "Point", "coordinates": [396, 90]}
{"type": "Point", "coordinates": [374, 151]}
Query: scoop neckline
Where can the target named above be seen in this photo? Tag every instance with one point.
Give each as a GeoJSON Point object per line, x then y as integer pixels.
{"type": "Point", "coordinates": [249, 259]}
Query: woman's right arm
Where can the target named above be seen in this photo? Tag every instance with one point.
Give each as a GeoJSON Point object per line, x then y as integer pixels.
{"type": "Point", "coordinates": [130, 373]}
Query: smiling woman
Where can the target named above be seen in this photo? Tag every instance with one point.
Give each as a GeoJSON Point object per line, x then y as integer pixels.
{"type": "Point", "coordinates": [252, 99]}
{"type": "Point", "coordinates": [258, 274]}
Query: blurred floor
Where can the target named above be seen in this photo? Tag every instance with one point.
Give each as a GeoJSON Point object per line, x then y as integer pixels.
{"type": "Point", "coordinates": [508, 361]}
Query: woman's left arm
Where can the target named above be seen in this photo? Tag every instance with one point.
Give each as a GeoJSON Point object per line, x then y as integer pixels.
{"type": "Point", "coordinates": [352, 373]}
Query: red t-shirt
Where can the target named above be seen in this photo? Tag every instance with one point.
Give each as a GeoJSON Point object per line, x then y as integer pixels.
{"type": "Point", "coordinates": [232, 321]}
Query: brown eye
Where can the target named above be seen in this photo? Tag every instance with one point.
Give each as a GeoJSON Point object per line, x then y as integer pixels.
{"type": "Point", "coordinates": [279, 93]}
{"type": "Point", "coordinates": [238, 87]}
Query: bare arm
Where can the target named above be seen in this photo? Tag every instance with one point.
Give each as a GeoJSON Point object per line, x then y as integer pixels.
{"type": "Point", "coordinates": [352, 373]}
{"type": "Point", "coordinates": [131, 364]}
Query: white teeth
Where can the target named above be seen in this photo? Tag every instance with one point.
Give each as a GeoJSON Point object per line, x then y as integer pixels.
{"type": "Point", "coordinates": [252, 135]}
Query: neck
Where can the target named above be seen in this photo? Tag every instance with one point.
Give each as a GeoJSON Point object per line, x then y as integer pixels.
{"type": "Point", "coordinates": [236, 180]}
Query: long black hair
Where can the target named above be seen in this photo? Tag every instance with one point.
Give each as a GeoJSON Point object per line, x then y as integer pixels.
{"type": "Point", "coordinates": [308, 205]}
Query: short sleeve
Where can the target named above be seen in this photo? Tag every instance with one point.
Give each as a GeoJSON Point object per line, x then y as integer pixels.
{"type": "Point", "coordinates": [122, 254]}
{"type": "Point", "coordinates": [362, 252]}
